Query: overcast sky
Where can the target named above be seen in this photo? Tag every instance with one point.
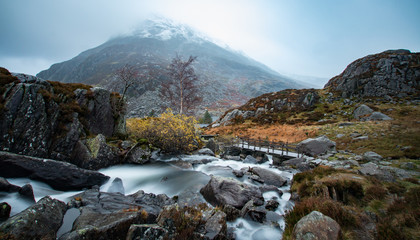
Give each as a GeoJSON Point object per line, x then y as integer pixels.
{"type": "Point", "coordinates": [305, 37]}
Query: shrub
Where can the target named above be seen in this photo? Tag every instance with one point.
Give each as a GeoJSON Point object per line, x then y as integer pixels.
{"type": "Point", "coordinates": [172, 133]}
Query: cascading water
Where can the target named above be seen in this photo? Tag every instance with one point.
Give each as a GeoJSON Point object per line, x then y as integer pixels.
{"type": "Point", "coordinates": [163, 177]}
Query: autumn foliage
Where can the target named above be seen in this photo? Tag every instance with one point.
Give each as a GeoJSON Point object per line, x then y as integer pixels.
{"type": "Point", "coordinates": [172, 133]}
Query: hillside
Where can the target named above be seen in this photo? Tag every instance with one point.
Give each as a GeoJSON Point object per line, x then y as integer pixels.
{"type": "Point", "coordinates": [228, 78]}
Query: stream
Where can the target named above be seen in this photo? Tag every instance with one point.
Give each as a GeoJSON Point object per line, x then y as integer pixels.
{"type": "Point", "coordinates": [164, 177]}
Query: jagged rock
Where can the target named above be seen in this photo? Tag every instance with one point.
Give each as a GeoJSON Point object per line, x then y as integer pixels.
{"type": "Point", "coordinates": [46, 119]}
{"type": "Point", "coordinates": [117, 186]}
{"type": "Point", "coordinates": [40, 221]}
{"type": "Point", "coordinates": [27, 192]}
{"type": "Point", "coordinates": [316, 226]}
{"type": "Point", "coordinates": [269, 177]}
{"type": "Point", "coordinates": [238, 173]}
{"type": "Point", "coordinates": [372, 156]}
{"type": "Point", "coordinates": [221, 191]}
{"type": "Point", "coordinates": [254, 213]}
{"type": "Point", "coordinates": [139, 155]}
{"type": "Point", "coordinates": [272, 205]}
{"type": "Point", "coordinates": [393, 73]}
{"type": "Point", "coordinates": [59, 175]}
{"type": "Point", "coordinates": [215, 226]}
{"type": "Point", "coordinates": [146, 232]}
{"type": "Point", "coordinates": [4, 211]}
{"type": "Point", "coordinates": [250, 159]}
{"type": "Point", "coordinates": [5, 186]}
{"type": "Point", "coordinates": [232, 213]}
{"type": "Point", "coordinates": [316, 146]}
{"type": "Point", "coordinates": [110, 215]}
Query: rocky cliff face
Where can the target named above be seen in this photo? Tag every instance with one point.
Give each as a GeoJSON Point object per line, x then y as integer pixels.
{"type": "Point", "coordinates": [393, 73]}
{"type": "Point", "coordinates": [46, 119]}
{"type": "Point", "coordinates": [267, 108]}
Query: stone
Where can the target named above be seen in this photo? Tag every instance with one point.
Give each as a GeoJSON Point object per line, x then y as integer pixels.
{"type": "Point", "coordinates": [40, 221]}
{"type": "Point", "coordinates": [212, 145]}
{"type": "Point", "coordinates": [27, 192]}
{"type": "Point", "coordinates": [250, 159]}
{"type": "Point", "coordinates": [270, 188]}
{"type": "Point", "coordinates": [215, 226]}
{"type": "Point", "coordinates": [138, 155]}
{"type": "Point", "coordinates": [238, 173]}
{"type": "Point", "coordinates": [272, 205]}
{"type": "Point", "coordinates": [220, 191]}
{"type": "Point", "coordinates": [362, 111]}
{"type": "Point", "coordinates": [371, 156]}
{"type": "Point", "coordinates": [377, 116]}
{"type": "Point", "coordinates": [293, 162]}
{"type": "Point", "coordinates": [340, 135]}
{"type": "Point", "coordinates": [59, 175]}
{"type": "Point", "coordinates": [5, 186]}
{"type": "Point", "coordinates": [232, 213]}
{"type": "Point", "coordinates": [116, 186]}
{"type": "Point", "coordinates": [269, 177]}
{"type": "Point", "coordinates": [316, 146]}
{"type": "Point", "coordinates": [232, 151]}
{"type": "Point", "coordinates": [371, 169]}
{"type": "Point", "coordinates": [361, 138]}
{"type": "Point", "coordinates": [316, 226]}
{"type": "Point", "coordinates": [4, 211]}
{"type": "Point", "coordinates": [254, 213]}
{"type": "Point", "coordinates": [256, 178]}
{"type": "Point", "coordinates": [206, 151]}
{"type": "Point", "coordinates": [100, 154]}
{"type": "Point", "coordinates": [146, 232]}
{"type": "Point", "coordinates": [345, 124]}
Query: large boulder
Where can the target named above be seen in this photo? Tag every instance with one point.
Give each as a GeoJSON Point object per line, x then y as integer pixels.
{"type": "Point", "coordinates": [362, 111]}
{"type": "Point", "coordinates": [110, 215]}
{"type": "Point", "coordinates": [5, 210]}
{"type": "Point", "coordinates": [269, 177]}
{"type": "Point", "coordinates": [377, 116]}
{"type": "Point", "coordinates": [59, 175]}
{"type": "Point", "coordinates": [393, 73]}
{"type": "Point", "coordinates": [316, 146]}
{"type": "Point", "coordinates": [221, 191]}
{"type": "Point", "coordinates": [316, 226]}
{"type": "Point", "coordinates": [40, 221]}
{"type": "Point", "coordinates": [371, 156]}
{"type": "Point", "coordinates": [372, 169]}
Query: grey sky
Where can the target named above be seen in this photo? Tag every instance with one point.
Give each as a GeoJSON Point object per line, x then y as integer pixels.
{"type": "Point", "coordinates": [305, 37]}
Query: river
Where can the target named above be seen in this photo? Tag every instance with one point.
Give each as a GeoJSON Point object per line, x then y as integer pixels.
{"type": "Point", "coordinates": [163, 177]}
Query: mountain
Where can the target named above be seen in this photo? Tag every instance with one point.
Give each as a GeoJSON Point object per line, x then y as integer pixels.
{"type": "Point", "coordinates": [228, 77]}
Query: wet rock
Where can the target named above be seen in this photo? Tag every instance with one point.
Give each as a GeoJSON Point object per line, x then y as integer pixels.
{"type": "Point", "coordinates": [372, 156]}
{"type": "Point", "coordinates": [205, 151]}
{"type": "Point", "coordinates": [272, 205]}
{"type": "Point", "coordinates": [254, 213]}
{"type": "Point", "coordinates": [234, 158]}
{"type": "Point", "coordinates": [98, 155]}
{"type": "Point", "coordinates": [5, 186]}
{"type": "Point", "coordinates": [221, 191]}
{"type": "Point", "coordinates": [146, 232]}
{"type": "Point", "coordinates": [59, 175]}
{"type": "Point", "coordinates": [4, 211]}
{"type": "Point", "coordinates": [110, 215]}
{"type": "Point", "coordinates": [256, 178]}
{"type": "Point", "coordinates": [316, 226]}
{"type": "Point", "coordinates": [238, 173]}
{"type": "Point", "coordinates": [215, 226]}
{"type": "Point", "coordinates": [316, 146]}
{"type": "Point", "coordinates": [232, 213]}
{"type": "Point", "coordinates": [250, 159]}
{"type": "Point", "coordinates": [116, 186]}
{"type": "Point", "coordinates": [40, 221]}
{"type": "Point", "coordinates": [138, 154]}
{"type": "Point", "coordinates": [270, 188]}
{"type": "Point", "coordinates": [269, 177]}
{"type": "Point", "coordinates": [27, 192]}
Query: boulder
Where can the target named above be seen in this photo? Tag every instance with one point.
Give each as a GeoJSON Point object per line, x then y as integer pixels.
{"type": "Point", "coordinates": [212, 145]}
{"type": "Point", "coordinates": [27, 192]}
{"type": "Point", "coordinates": [362, 111]}
{"type": "Point", "coordinates": [250, 159]}
{"type": "Point", "coordinates": [110, 215]}
{"type": "Point", "coordinates": [221, 191]}
{"type": "Point", "coordinates": [269, 177]}
{"type": "Point", "coordinates": [205, 151]}
{"type": "Point", "coordinates": [238, 173]}
{"type": "Point", "coordinates": [40, 221]}
{"type": "Point", "coordinates": [272, 205]}
{"type": "Point", "coordinates": [5, 186]}
{"type": "Point", "coordinates": [293, 162]}
{"type": "Point", "coordinates": [371, 169]}
{"type": "Point", "coordinates": [232, 151]}
{"type": "Point", "coordinates": [59, 175]}
{"type": "Point", "coordinates": [146, 232]}
{"type": "Point", "coordinates": [377, 116]}
{"type": "Point", "coordinates": [4, 211]}
{"type": "Point", "coordinates": [215, 226]}
{"type": "Point", "coordinates": [116, 186]}
{"type": "Point", "coordinates": [254, 213]}
{"type": "Point", "coordinates": [138, 155]}
{"type": "Point", "coordinates": [316, 146]}
{"type": "Point", "coordinates": [270, 188]}
{"type": "Point", "coordinates": [316, 226]}
{"type": "Point", "coordinates": [371, 156]}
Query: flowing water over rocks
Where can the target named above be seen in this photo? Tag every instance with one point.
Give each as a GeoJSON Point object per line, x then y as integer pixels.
{"type": "Point", "coordinates": [182, 177]}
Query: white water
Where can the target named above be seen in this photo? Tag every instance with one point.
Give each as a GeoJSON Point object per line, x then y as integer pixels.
{"type": "Point", "coordinates": [162, 177]}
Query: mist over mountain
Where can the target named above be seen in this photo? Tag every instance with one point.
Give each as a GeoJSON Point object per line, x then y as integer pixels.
{"type": "Point", "coordinates": [227, 77]}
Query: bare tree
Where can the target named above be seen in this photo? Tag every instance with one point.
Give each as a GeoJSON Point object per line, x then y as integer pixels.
{"type": "Point", "coordinates": [181, 91]}
{"type": "Point", "coordinates": [127, 76]}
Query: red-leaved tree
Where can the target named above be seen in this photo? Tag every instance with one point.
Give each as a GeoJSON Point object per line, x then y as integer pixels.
{"type": "Point", "coordinates": [181, 91]}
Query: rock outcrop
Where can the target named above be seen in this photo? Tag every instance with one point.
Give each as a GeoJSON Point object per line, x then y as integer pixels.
{"type": "Point", "coordinates": [40, 221]}
{"type": "Point", "coordinates": [47, 119]}
{"type": "Point", "coordinates": [393, 73]}
{"type": "Point", "coordinates": [59, 175]}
